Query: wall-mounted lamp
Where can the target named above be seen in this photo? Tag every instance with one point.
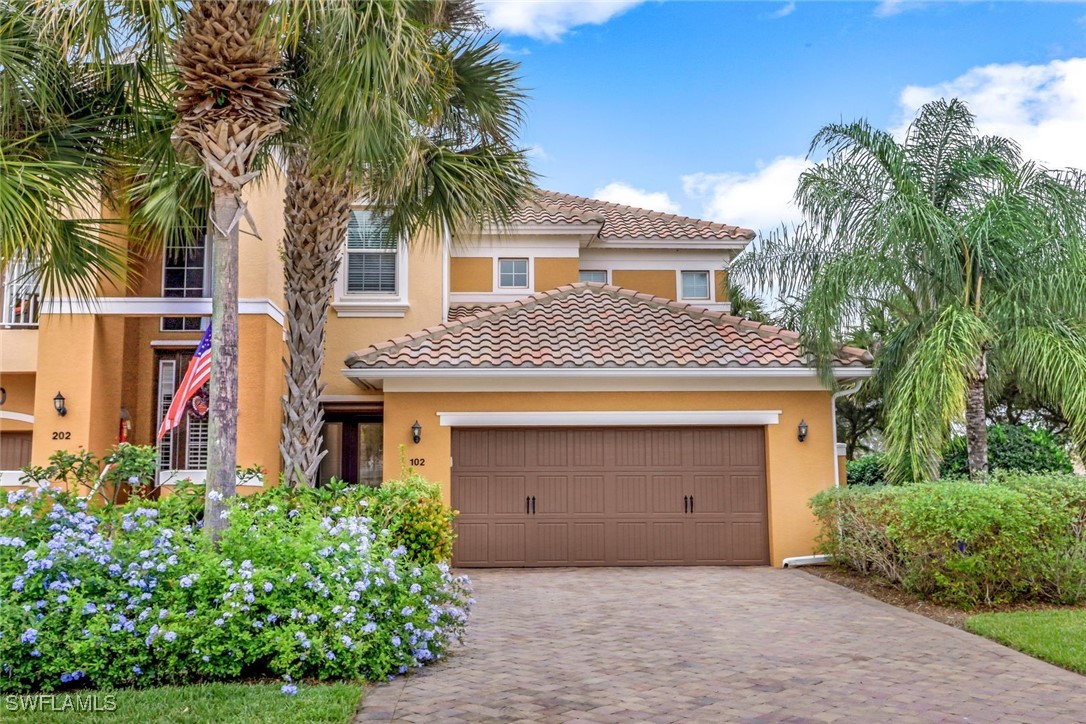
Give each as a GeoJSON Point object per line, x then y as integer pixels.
{"type": "Point", "coordinates": [802, 430]}
{"type": "Point", "coordinates": [416, 432]}
{"type": "Point", "coordinates": [58, 405]}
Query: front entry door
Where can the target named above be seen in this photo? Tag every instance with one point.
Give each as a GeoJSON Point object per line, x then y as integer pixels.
{"type": "Point", "coordinates": [354, 448]}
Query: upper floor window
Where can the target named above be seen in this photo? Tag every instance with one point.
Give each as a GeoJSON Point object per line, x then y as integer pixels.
{"type": "Point", "coordinates": [513, 273]}
{"type": "Point", "coordinates": [185, 275]}
{"type": "Point", "coordinates": [371, 255]}
{"type": "Point", "coordinates": [594, 276]}
{"type": "Point", "coordinates": [695, 285]}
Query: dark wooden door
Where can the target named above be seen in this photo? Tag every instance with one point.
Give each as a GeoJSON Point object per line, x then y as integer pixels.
{"type": "Point", "coordinates": [626, 496]}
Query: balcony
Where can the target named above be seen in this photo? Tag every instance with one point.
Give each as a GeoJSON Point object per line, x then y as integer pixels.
{"type": "Point", "coordinates": [20, 297]}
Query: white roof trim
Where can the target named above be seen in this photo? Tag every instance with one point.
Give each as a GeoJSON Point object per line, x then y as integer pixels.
{"type": "Point", "coordinates": [157, 307]}
{"type": "Point", "coordinates": [618, 418]}
{"type": "Point", "coordinates": [599, 373]}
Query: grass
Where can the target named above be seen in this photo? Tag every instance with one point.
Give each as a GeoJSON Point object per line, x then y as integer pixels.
{"type": "Point", "coordinates": [1057, 635]}
{"type": "Point", "coordinates": [199, 703]}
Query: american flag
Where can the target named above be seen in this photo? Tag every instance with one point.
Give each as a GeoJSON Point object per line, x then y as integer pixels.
{"type": "Point", "coordinates": [196, 376]}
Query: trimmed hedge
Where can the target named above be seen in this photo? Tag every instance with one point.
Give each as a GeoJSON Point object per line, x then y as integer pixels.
{"type": "Point", "coordinates": [1015, 538]}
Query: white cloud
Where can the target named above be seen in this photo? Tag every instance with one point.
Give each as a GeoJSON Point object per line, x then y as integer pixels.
{"type": "Point", "coordinates": [1043, 107]}
{"type": "Point", "coordinates": [784, 11]}
{"type": "Point", "coordinates": [537, 152]}
{"type": "Point", "coordinates": [621, 193]}
{"type": "Point", "coordinates": [550, 19]}
{"type": "Point", "coordinates": [889, 8]}
{"type": "Point", "coordinates": [761, 200]}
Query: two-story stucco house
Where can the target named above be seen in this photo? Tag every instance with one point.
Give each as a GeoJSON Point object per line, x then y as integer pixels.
{"type": "Point", "coordinates": [580, 391]}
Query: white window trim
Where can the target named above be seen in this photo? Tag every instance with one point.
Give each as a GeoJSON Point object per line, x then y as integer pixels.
{"type": "Point", "coordinates": [208, 263]}
{"type": "Point", "coordinates": [373, 304]}
{"type": "Point", "coordinates": [528, 288]}
{"type": "Point", "coordinates": [606, 274]}
{"type": "Point", "coordinates": [199, 477]}
{"type": "Point", "coordinates": [710, 282]}
{"type": "Point", "coordinates": [582, 418]}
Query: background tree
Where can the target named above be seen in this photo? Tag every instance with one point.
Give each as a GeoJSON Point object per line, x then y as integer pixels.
{"type": "Point", "coordinates": [977, 253]}
{"type": "Point", "coordinates": [404, 105]}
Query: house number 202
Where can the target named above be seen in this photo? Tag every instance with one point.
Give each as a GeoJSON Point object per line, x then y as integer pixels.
{"type": "Point", "coordinates": [62, 436]}
{"type": "Point", "coordinates": [418, 462]}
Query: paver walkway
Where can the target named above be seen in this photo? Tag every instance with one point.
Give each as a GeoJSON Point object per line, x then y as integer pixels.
{"type": "Point", "coordinates": [715, 644]}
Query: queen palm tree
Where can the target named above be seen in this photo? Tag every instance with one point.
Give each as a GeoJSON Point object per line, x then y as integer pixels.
{"type": "Point", "coordinates": [977, 254]}
{"type": "Point", "coordinates": [402, 104]}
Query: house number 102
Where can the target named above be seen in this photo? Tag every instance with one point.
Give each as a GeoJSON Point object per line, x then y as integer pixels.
{"type": "Point", "coordinates": [418, 462]}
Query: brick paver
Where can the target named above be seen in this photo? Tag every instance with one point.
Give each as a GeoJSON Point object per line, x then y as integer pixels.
{"type": "Point", "coordinates": [715, 644]}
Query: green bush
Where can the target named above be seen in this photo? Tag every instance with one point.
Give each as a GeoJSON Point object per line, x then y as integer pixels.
{"type": "Point", "coordinates": [1010, 447]}
{"type": "Point", "coordinates": [301, 584]}
{"type": "Point", "coordinates": [1016, 538]}
{"type": "Point", "coordinates": [868, 470]}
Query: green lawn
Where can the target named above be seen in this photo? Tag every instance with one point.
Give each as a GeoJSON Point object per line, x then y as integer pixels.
{"type": "Point", "coordinates": [1057, 636]}
{"type": "Point", "coordinates": [197, 704]}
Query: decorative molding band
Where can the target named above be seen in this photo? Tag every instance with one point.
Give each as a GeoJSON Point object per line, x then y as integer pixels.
{"type": "Point", "coordinates": [11, 478]}
{"type": "Point", "coordinates": [600, 373]}
{"type": "Point", "coordinates": [156, 307]}
{"type": "Point", "coordinates": [345, 308]}
{"type": "Point", "coordinates": [619, 418]}
{"type": "Point", "coordinates": [16, 416]}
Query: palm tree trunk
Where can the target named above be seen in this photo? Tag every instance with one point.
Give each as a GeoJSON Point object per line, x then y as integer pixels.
{"type": "Point", "coordinates": [976, 420]}
{"type": "Point", "coordinates": [221, 481]}
{"type": "Point", "coordinates": [318, 207]}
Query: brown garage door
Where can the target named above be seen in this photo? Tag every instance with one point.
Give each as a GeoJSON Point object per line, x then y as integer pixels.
{"type": "Point", "coordinates": [618, 497]}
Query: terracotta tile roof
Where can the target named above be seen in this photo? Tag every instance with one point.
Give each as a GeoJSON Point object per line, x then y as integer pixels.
{"type": "Point", "coordinates": [594, 326]}
{"type": "Point", "coordinates": [621, 221]}
{"type": "Point", "coordinates": [458, 312]}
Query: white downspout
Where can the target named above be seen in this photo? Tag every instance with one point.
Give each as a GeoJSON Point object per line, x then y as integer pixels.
{"type": "Point", "coordinates": [845, 392]}
{"type": "Point", "coordinates": [446, 249]}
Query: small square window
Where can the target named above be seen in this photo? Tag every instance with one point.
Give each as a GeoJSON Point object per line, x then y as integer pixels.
{"type": "Point", "coordinates": [513, 273]}
{"type": "Point", "coordinates": [594, 276]}
{"type": "Point", "coordinates": [695, 285]}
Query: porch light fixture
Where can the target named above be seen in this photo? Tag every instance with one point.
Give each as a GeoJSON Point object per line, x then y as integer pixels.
{"type": "Point", "coordinates": [58, 404]}
{"type": "Point", "coordinates": [416, 432]}
{"type": "Point", "coordinates": [802, 430]}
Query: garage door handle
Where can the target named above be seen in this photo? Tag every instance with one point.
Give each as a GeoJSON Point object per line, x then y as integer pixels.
{"type": "Point", "coordinates": [533, 505]}
{"type": "Point", "coordinates": [686, 503]}
{"type": "Point", "coordinates": [527, 504]}
{"type": "Point", "coordinates": [691, 503]}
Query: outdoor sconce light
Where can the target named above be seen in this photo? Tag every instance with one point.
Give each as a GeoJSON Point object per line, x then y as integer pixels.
{"type": "Point", "coordinates": [416, 432]}
{"type": "Point", "coordinates": [802, 430]}
{"type": "Point", "coordinates": [58, 404]}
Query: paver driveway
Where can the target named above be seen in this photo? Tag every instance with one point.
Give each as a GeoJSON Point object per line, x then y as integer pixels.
{"type": "Point", "coordinates": [715, 644]}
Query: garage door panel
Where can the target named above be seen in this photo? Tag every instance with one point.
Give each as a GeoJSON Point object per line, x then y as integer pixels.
{"type": "Point", "coordinates": [587, 494]}
{"type": "Point", "coordinates": [507, 494]}
{"type": "Point", "coordinates": [472, 543]}
{"type": "Point", "coordinates": [552, 449]}
{"type": "Point", "coordinates": [471, 449]}
{"type": "Point", "coordinates": [747, 494]}
{"type": "Point", "coordinates": [710, 493]}
{"type": "Point", "coordinates": [667, 494]}
{"type": "Point", "coordinates": [631, 541]}
{"type": "Point", "coordinates": [552, 543]}
{"type": "Point", "coordinates": [631, 494]}
{"type": "Point", "coordinates": [588, 542]}
{"type": "Point", "coordinates": [748, 545]}
{"type": "Point", "coordinates": [610, 497]}
{"type": "Point", "coordinates": [669, 542]}
{"type": "Point", "coordinates": [507, 542]}
{"type": "Point", "coordinates": [588, 448]}
{"type": "Point", "coordinates": [553, 495]}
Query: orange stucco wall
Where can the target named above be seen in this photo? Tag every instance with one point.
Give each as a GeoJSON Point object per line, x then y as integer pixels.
{"type": "Point", "coordinates": [658, 282]}
{"type": "Point", "coordinates": [795, 470]}
{"type": "Point", "coordinates": [721, 281]}
{"type": "Point", "coordinates": [551, 273]}
{"type": "Point", "coordinates": [471, 274]}
{"type": "Point", "coordinates": [19, 393]}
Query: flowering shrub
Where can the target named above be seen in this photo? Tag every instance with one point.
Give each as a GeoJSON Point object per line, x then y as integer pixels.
{"type": "Point", "coordinates": [137, 595]}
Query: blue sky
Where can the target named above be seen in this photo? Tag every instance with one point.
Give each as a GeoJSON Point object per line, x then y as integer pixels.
{"type": "Point", "coordinates": [707, 108]}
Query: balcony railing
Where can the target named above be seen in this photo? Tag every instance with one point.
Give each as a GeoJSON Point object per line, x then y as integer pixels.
{"type": "Point", "coordinates": [20, 296]}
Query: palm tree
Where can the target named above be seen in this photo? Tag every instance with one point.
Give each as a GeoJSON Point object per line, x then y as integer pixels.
{"type": "Point", "coordinates": [977, 254]}
{"type": "Point", "coordinates": [402, 104]}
